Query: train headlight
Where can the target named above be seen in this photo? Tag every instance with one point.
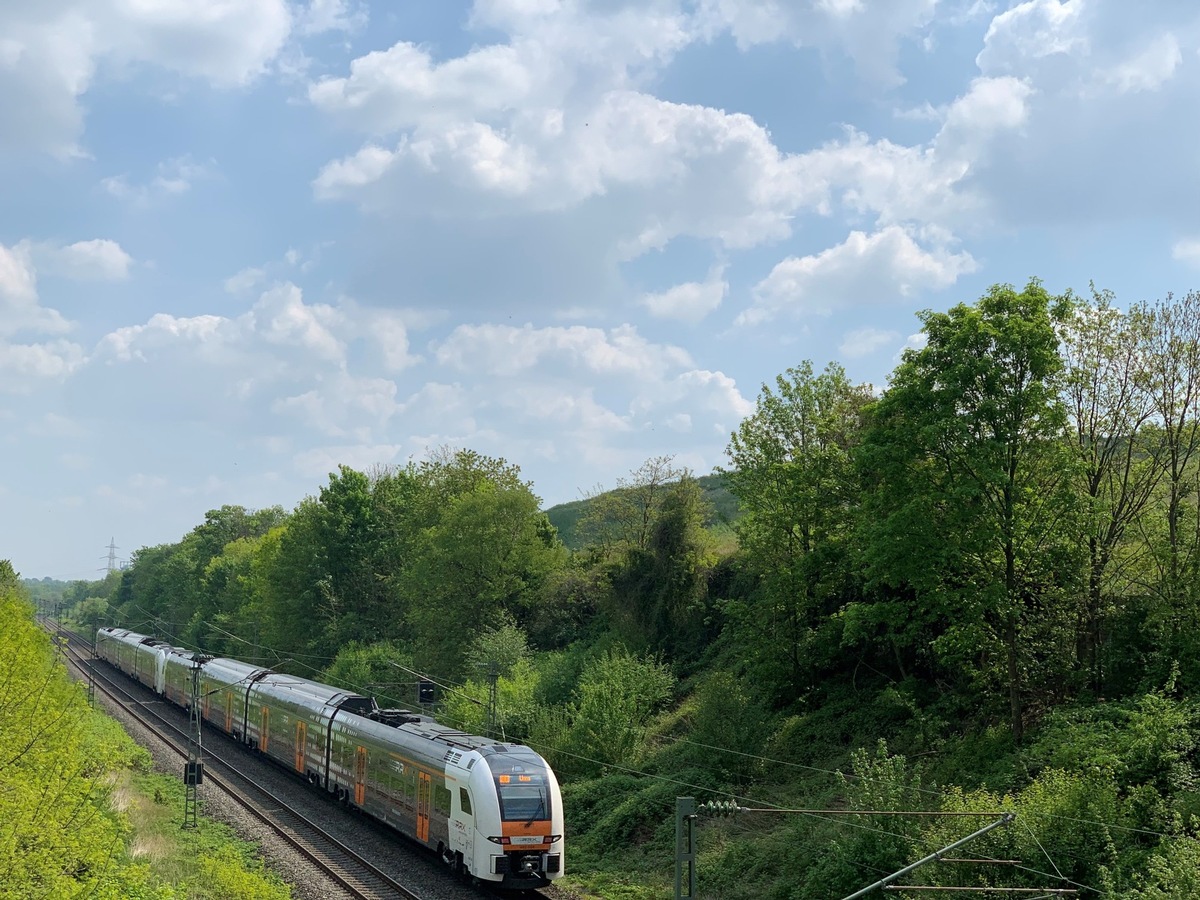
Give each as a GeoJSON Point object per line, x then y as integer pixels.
{"type": "Point", "coordinates": [499, 840]}
{"type": "Point", "coordinates": [555, 838]}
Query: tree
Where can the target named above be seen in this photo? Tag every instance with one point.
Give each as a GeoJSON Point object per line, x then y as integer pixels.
{"type": "Point", "coordinates": [623, 519]}
{"type": "Point", "coordinates": [970, 512]}
{"type": "Point", "coordinates": [792, 470]}
{"type": "Point", "coordinates": [658, 598]}
{"type": "Point", "coordinates": [1169, 349]}
{"type": "Point", "coordinates": [487, 555]}
{"type": "Point", "coordinates": [1108, 407]}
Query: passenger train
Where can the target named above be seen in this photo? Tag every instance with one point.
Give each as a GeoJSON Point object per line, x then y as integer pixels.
{"type": "Point", "coordinates": [491, 810]}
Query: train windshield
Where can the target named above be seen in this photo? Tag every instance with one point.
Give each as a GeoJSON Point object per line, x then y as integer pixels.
{"type": "Point", "coordinates": [523, 802]}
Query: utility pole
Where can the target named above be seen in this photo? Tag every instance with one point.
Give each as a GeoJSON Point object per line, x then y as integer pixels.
{"type": "Point", "coordinates": [685, 848]}
{"type": "Point", "coordinates": [193, 772]}
{"type": "Point", "coordinates": [493, 700]}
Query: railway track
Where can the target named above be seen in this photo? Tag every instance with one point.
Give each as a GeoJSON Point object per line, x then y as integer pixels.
{"type": "Point", "coordinates": [361, 878]}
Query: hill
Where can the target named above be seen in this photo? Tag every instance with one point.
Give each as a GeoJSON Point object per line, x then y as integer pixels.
{"type": "Point", "coordinates": [566, 516]}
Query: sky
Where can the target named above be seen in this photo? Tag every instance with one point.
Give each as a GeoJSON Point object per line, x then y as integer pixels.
{"type": "Point", "coordinates": [245, 241]}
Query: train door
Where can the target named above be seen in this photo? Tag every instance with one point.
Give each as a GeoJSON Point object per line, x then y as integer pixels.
{"type": "Point", "coordinates": [207, 700]}
{"type": "Point", "coordinates": [301, 734]}
{"type": "Point", "coordinates": [264, 732]}
{"type": "Point", "coordinates": [360, 775]}
{"type": "Point", "coordinates": [462, 832]}
{"type": "Point", "coordinates": [229, 712]}
{"type": "Point", "coordinates": [424, 792]}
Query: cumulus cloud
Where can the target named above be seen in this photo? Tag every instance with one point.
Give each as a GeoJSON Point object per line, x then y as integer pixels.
{"type": "Point", "coordinates": [1021, 39]}
{"type": "Point", "coordinates": [870, 34]}
{"type": "Point", "coordinates": [282, 317]}
{"type": "Point", "coordinates": [864, 270]}
{"type": "Point", "coordinates": [50, 52]}
{"type": "Point", "coordinates": [865, 341]}
{"type": "Point", "coordinates": [22, 366]}
{"type": "Point", "coordinates": [94, 260]}
{"type": "Point", "coordinates": [1148, 68]}
{"type": "Point", "coordinates": [504, 350]}
{"type": "Point", "coordinates": [689, 302]}
{"type": "Point", "coordinates": [1187, 250]}
{"type": "Point", "coordinates": [344, 407]}
{"type": "Point", "coordinates": [20, 309]}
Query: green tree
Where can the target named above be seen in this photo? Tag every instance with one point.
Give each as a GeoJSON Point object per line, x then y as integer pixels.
{"type": "Point", "coordinates": [792, 469]}
{"type": "Point", "coordinates": [971, 511]}
{"type": "Point", "coordinates": [487, 557]}
{"type": "Point", "coordinates": [1169, 351]}
{"type": "Point", "coordinates": [1108, 406]}
{"type": "Point", "coordinates": [659, 590]}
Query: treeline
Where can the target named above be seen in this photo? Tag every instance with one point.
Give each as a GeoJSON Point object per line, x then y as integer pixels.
{"type": "Point", "coordinates": [991, 563]}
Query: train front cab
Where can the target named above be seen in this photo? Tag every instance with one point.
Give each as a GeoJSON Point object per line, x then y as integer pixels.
{"type": "Point", "coordinates": [517, 818]}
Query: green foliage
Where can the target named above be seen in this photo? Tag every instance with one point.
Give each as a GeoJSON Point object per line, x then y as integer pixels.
{"type": "Point", "coordinates": [1150, 741]}
{"type": "Point", "coordinates": [605, 722]}
{"type": "Point", "coordinates": [58, 836]}
{"type": "Point", "coordinates": [970, 518]}
{"type": "Point", "coordinates": [372, 669]}
{"type": "Point", "coordinates": [726, 728]}
{"type": "Point", "coordinates": [793, 474]}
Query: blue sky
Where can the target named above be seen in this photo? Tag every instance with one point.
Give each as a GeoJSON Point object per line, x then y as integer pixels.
{"type": "Point", "coordinates": [243, 241]}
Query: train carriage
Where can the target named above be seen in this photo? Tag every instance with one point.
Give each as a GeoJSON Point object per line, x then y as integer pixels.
{"type": "Point", "coordinates": [288, 719]}
{"type": "Point", "coordinates": [224, 684]}
{"type": "Point", "coordinates": [177, 676]}
{"type": "Point", "coordinates": [490, 809]}
{"type": "Point", "coordinates": [150, 657]}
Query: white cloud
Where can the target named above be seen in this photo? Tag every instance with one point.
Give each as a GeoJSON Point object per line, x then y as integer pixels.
{"type": "Point", "coordinates": [18, 281]}
{"type": "Point", "coordinates": [389, 90]}
{"type": "Point", "coordinates": [865, 341]}
{"type": "Point", "coordinates": [503, 350]}
{"type": "Point", "coordinates": [1020, 39]}
{"type": "Point", "coordinates": [282, 317]}
{"type": "Point", "coordinates": [51, 50]}
{"type": "Point", "coordinates": [331, 15]}
{"type": "Point", "coordinates": [94, 260]}
{"type": "Point", "coordinates": [226, 42]}
{"type": "Point", "coordinates": [864, 270]}
{"type": "Point", "coordinates": [1149, 68]}
{"type": "Point", "coordinates": [245, 280]}
{"type": "Point", "coordinates": [343, 406]}
{"type": "Point", "coordinates": [869, 33]}
{"type": "Point", "coordinates": [19, 306]}
{"type": "Point", "coordinates": [690, 301]}
{"type": "Point", "coordinates": [164, 333]}
{"type": "Point", "coordinates": [319, 462]}
{"type": "Point", "coordinates": [21, 365]}
{"type": "Point", "coordinates": [1187, 250]}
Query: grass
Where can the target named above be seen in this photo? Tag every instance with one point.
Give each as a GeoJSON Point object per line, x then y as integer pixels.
{"type": "Point", "coordinates": [209, 862]}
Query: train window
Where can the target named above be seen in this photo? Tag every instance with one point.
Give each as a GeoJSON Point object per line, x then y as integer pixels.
{"type": "Point", "coordinates": [525, 802]}
{"type": "Point", "coordinates": [464, 800]}
{"type": "Point", "coordinates": [441, 799]}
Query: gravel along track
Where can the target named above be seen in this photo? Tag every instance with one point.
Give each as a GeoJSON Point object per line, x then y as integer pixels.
{"type": "Point", "coordinates": [419, 870]}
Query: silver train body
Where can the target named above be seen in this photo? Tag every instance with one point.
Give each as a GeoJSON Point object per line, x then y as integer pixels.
{"type": "Point", "coordinates": [491, 810]}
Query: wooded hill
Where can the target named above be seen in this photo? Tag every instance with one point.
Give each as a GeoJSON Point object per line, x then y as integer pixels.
{"type": "Point", "coordinates": [974, 591]}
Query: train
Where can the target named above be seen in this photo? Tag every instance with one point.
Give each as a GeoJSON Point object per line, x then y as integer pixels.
{"type": "Point", "coordinates": [492, 810]}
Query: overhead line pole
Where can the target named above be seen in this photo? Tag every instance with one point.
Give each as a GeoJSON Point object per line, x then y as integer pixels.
{"type": "Point", "coordinates": [936, 855]}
